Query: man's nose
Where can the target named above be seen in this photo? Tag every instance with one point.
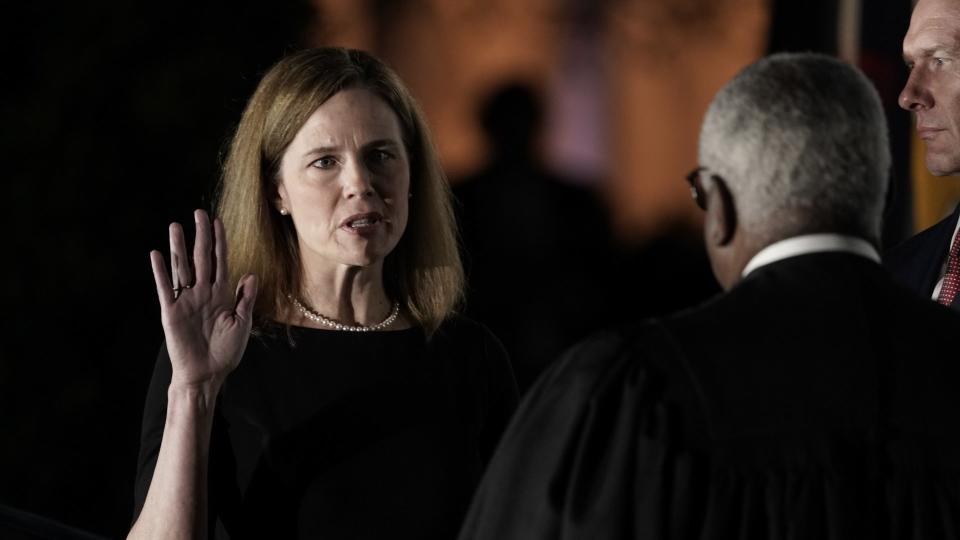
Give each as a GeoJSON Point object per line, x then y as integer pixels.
{"type": "Point", "coordinates": [915, 96]}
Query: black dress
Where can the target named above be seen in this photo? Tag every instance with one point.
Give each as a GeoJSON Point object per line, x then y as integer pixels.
{"type": "Point", "coordinates": [348, 435]}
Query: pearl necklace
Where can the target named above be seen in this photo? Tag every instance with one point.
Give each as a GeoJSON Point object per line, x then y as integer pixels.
{"type": "Point", "coordinates": [316, 317]}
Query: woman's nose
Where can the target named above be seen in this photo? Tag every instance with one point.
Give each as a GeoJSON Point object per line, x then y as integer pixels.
{"type": "Point", "coordinates": [357, 181]}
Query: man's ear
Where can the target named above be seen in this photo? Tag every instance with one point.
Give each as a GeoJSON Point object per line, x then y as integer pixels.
{"type": "Point", "coordinates": [721, 216]}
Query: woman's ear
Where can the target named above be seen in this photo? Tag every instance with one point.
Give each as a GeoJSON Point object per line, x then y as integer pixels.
{"type": "Point", "coordinates": [280, 199]}
{"type": "Point", "coordinates": [721, 214]}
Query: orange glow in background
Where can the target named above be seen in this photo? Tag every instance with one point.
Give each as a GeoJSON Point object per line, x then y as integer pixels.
{"type": "Point", "coordinates": [632, 83]}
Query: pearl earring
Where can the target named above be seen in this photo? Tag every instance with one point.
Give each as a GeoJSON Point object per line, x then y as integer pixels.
{"type": "Point", "coordinates": [283, 211]}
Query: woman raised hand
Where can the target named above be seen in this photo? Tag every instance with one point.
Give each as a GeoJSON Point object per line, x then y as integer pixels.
{"type": "Point", "coordinates": [349, 404]}
{"type": "Point", "coordinates": [205, 323]}
{"type": "Point", "coordinates": [206, 326]}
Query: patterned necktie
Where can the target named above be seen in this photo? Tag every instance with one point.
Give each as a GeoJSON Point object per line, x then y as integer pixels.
{"type": "Point", "coordinates": [951, 279]}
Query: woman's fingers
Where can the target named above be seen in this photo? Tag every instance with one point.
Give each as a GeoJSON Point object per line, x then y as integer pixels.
{"type": "Point", "coordinates": [208, 263]}
{"type": "Point", "coordinates": [220, 251]}
{"type": "Point", "coordinates": [201, 248]}
{"type": "Point", "coordinates": [180, 268]}
{"type": "Point", "coordinates": [246, 296]}
{"type": "Point", "coordinates": [164, 288]}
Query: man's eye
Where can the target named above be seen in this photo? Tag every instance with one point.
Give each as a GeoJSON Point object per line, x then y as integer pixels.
{"type": "Point", "coordinates": [325, 162]}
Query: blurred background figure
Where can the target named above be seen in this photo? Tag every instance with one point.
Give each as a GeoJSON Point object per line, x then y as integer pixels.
{"type": "Point", "coordinates": [537, 246]}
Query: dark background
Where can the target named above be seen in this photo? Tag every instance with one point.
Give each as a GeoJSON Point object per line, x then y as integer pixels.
{"type": "Point", "coordinates": [115, 116]}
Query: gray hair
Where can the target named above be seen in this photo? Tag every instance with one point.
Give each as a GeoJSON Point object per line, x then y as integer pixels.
{"type": "Point", "coordinates": [801, 141]}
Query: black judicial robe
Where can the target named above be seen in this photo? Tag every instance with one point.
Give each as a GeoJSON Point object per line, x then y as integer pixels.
{"type": "Point", "coordinates": [817, 399]}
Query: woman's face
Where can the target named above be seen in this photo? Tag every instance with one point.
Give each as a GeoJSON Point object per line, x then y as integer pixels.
{"type": "Point", "coordinates": [345, 180]}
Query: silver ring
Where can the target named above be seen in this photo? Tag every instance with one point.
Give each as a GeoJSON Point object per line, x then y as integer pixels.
{"type": "Point", "coordinates": [178, 290]}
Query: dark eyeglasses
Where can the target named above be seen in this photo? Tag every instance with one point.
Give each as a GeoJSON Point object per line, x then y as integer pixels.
{"type": "Point", "coordinates": [696, 189]}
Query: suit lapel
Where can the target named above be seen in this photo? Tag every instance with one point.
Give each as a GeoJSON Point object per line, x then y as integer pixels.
{"type": "Point", "coordinates": [935, 250]}
{"type": "Point", "coordinates": [956, 300]}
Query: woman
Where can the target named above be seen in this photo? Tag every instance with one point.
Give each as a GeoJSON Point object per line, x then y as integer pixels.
{"type": "Point", "coordinates": [361, 408]}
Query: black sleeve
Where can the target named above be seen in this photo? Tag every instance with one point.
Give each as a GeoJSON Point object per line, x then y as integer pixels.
{"type": "Point", "coordinates": [151, 429]}
{"type": "Point", "coordinates": [222, 491]}
{"type": "Point", "coordinates": [585, 454]}
{"type": "Point", "coordinates": [501, 394]}
{"type": "Point", "coordinates": [530, 453]}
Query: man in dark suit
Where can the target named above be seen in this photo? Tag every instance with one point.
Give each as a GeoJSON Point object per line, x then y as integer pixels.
{"type": "Point", "coordinates": [816, 398]}
{"type": "Point", "coordinates": [926, 262]}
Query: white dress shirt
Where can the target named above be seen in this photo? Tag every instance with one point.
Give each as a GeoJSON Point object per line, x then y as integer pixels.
{"type": "Point", "coordinates": [811, 243]}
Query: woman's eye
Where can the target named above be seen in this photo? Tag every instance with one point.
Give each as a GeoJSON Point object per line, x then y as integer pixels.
{"type": "Point", "coordinates": [381, 156]}
{"type": "Point", "coordinates": [325, 162]}
{"type": "Point", "coordinates": [380, 160]}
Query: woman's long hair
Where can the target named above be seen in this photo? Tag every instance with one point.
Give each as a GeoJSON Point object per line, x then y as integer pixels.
{"type": "Point", "coordinates": [423, 272]}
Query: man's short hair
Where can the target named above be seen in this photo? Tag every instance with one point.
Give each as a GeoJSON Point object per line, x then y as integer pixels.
{"type": "Point", "coordinates": [801, 140]}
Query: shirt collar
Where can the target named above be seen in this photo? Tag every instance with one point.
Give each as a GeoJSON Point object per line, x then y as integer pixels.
{"type": "Point", "coordinates": [810, 243]}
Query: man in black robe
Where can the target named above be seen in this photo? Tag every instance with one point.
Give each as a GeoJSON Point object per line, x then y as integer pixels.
{"type": "Point", "coordinates": [816, 398]}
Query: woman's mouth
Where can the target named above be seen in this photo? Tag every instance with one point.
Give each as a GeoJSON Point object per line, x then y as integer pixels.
{"type": "Point", "coordinates": [362, 222]}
